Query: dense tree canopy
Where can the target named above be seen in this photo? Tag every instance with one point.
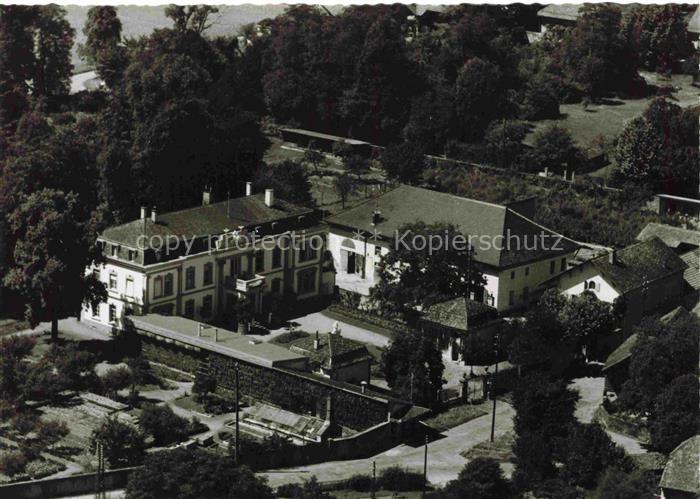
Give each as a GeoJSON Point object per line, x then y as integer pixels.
{"type": "Point", "coordinates": [191, 474]}
{"type": "Point", "coordinates": [660, 149]}
{"type": "Point", "coordinates": [412, 366]}
{"type": "Point", "coordinates": [427, 273]}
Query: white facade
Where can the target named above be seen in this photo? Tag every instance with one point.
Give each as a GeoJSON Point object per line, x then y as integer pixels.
{"type": "Point", "coordinates": [587, 278]}
{"type": "Point", "coordinates": [197, 286]}
{"type": "Point", "coordinates": [504, 289]}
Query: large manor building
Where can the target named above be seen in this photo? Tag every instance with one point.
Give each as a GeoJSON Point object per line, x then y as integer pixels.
{"type": "Point", "coordinates": [198, 262]}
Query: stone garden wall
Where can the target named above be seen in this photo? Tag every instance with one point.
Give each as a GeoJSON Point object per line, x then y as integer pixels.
{"type": "Point", "coordinates": [298, 392]}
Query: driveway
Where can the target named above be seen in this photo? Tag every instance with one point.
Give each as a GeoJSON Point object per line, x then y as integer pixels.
{"type": "Point", "coordinates": [324, 324]}
{"type": "Point", "coordinates": [591, 392]}
{"type": "Point", "coordinates": [444, 460]}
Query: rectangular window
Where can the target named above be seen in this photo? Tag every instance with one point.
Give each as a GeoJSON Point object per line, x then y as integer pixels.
{"type": "Point", "coordinates": [527, 270]}
{"type": "Point", "coordinates": [112, 281]}
{"type": "Point", "coordinates": [308, 252]}
{"type": "Point", "coordinates": [307, 281]}
{"type": "Point", "coordinates": [189, 278]}
{"type": "Point", "coordinates": [189, 309]}
{"type": "Point", "coordinates": [206, 306]}
{"type": "Point", "coordinates": [276, 257]}
{"type": "Point", "coordinates": [115, 250]}
{"type": "Point", "coordinates": [95, 311]}
{"type": "Point", "coordinates": [512, 274]}
{"type": "Point", "coordinates": [377, 251]}
{"type": "Point", "coordinates": [552, 266]}
{"type": "Point", "coordinates": [235, 266]}
{"type": "Point", "coordinates": [132, 255]}
{"type": "Point", "coordinates": [259, 261]}
{"type": "Point", "coordinates": [129, 287]}
{"type": "Point", "coordinates": [563, 264]}
{"type": "Point", "coordinates": [208, 273]}
{"type": "Point", "coordinates": [158, 287]}
{"type": "Point", "coordinates": [511, 297]}
{"type": "Point", "coordinates": [168, 285]}
{"type": "Point", "coordinates": [112, 313]}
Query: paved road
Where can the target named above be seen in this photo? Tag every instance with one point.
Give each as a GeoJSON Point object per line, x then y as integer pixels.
{"type": "Point", "coordinates": [591, 392]}
{"type": "Point", "coordinates": [444, 460]}
{"type": "Point", "coordinates": [323, 324]}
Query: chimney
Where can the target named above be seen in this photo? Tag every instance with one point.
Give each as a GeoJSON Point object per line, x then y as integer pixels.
{"type": "Point", "coordinates": [154, 215]}
{"type": "Point", "coordinates": [216, 334]}
{"type": "Point", "coordinates": [612, 257]}
{"type": "Point", "coordinates": [363, 386]}
{"type": "Point", "coordinates": [143, 213]}
{"type": "Point", "coordinates": [249, 188]}
{"type": "Point", "coordinates": [317, 342]}
{"type": "Point", "coordinates": [329, 409]}
{"type": "Point", "coordinates": [376, 217]}
{"type": "Point", "coordinates": [206, 196]}
{"type": "Point", "coordinates": [269, 197]}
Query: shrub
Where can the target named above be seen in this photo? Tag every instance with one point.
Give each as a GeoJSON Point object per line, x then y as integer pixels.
{"type": "Point", "coordinates": [114, 380]}
{"type": "Point", "coordinates": [400, 479]}
{"type": "Point", "coordinates": [123, 444]}
{"type": "Point", "coordinates": [360, 483]}
{"type": "Point", "coordinates": [13, 463]}
{"type": "Point", "coordinates": [290, 336]}
{"type": "Point", "coordinates": [163, 424]}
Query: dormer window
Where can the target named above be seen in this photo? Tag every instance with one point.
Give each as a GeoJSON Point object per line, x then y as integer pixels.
{"type": "Point", "coordinates": [115, 251]}
{"type": "Point", "coordinates": [132, 255]}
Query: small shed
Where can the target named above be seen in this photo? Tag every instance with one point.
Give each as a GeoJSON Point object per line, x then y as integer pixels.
{"type": "Point", "coordinates": [452, 322]}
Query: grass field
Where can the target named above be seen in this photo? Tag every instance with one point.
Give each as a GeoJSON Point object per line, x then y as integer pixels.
{"type": "Point", "coordinates": [455, 416]}
{"type": "Point", "coordinates": [608, 118]}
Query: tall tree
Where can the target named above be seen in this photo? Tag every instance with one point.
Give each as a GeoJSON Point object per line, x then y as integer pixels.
{"type": "Point", "coordinates": [385, 82]}
{"type": "Point", "coordinates": [50, 256]}
{"type": "Point", "coordinates": [103, 47]}
{"type": "Point", "coordinates": [675, 414]}
{"type": "Point", "coordinates": [16, 61]}
{"type": "Point", "coordinates": [658, 36]}
{"type": "Point", "coordinates": [478, 97]}
{"type": "Point", "coordinates": [288, 179]}
{"type": "Point", "coordinates": [404, 162]}
{"type": "Point", "coordinates": [191, 17]}
{"type": "Point", "coordinates": [660, 149]}
{"type": "Point", "coordinates": [481, 478]}
{"type": "Point", "coordinates": [54, 41]}
{"type": "Point", "coordinates": [428, 263]}
{"type": "Point", "coordinates": [412, 365]}
{"type": "Point", "coordinates": [544, 413]}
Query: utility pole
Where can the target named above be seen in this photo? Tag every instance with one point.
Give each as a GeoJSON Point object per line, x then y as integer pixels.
{"type": "Point", "coordinates": [374, 480]}
{"type": "Point", "coordinates": [100, 475]}
{"type": "Point", "coordinates": [238, 400]}
{"type": "Point", "coordinates": [493, 385]}
{"type": "Point", "coordinates": [425, 467]}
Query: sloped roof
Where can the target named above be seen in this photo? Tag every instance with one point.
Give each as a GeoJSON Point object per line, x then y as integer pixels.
{"type": "Point", "coordinates": [455, 313]}
{"type": "Point", "coordinates": [682, 471]}
{"type": "Point", "coordinates": [205, 220]}
{"type": "Point", "coordinates": [621, 353]}
{"type": "Point", "coordinates": [334, 350]}
{"type": "Point", "coordinates": [692, 273]}
{"type": "Point", "coordinates": [567, 11]}
{"type": "Point", "coordinates": [642, 262]}
{"type": "Point", "coordinates": [481, 221]}
{"type": "Point", "coordinates": [670, 235]}
{"type": "Point", "coordinates": [624, 351]}
{"type": "Point", "coordinates": [571, 12]}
